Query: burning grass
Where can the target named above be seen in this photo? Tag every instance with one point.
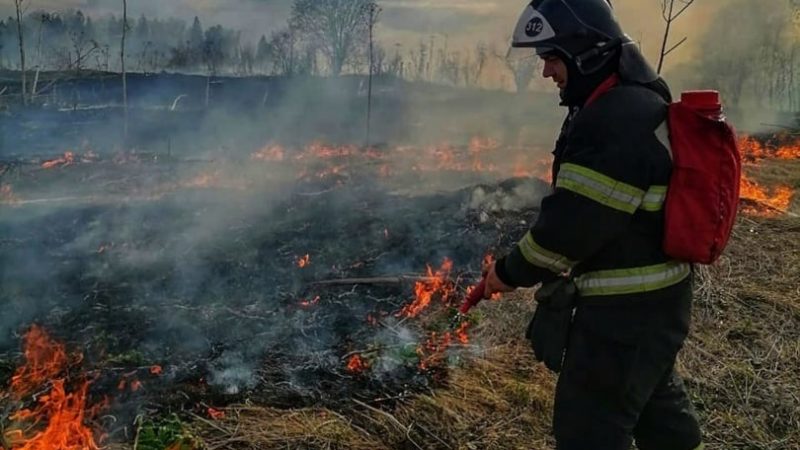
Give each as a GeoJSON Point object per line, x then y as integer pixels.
{"type": "Point", "coordinates": [771, 174]}
{"type": "Point", "coordinates": [740, 364]}
{"type": "Point", "coordinates": [60, 412]}
{"type": "Point", "coordinates": [232, 333]}
{"type": "Point", "coordinates": [178, 270]}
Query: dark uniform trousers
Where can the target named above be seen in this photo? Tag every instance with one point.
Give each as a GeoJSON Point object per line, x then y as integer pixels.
{"type": "Point", "coordinates": [619, 383]}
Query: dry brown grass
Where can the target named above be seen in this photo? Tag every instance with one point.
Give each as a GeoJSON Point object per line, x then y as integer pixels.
{"type": "Point", "coordinates": [741, 363]}
{"type": "Point", "coordinates": [501, 401]}
{"type": "Point", "coordinates": [743, 358]}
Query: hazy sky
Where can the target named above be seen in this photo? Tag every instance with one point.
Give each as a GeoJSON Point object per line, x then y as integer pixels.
{"type": "Point", "coordinates": [465, 22]}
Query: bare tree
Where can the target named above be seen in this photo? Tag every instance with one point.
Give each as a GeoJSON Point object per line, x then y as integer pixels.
{"type": "Point", "coordinates": [669, 12]}
{"type": "Point", "coordinates": [83, 47]}
{"type": "Point", "coordinates": [339, 27]}
{"type": "Point", "coordinates": [19, 7]}
{"type": "Point", "coordinates": [452, 68]}
{"type": "Point", "coordinates": [419, 59]}
{"type": "Point", "coordinates": [396, 66]}
{"type": "Point", "coordinates": [380, 63]}
{"type": "Point", "coordinates": [283, 52]}
{"type": "Point", "coordinates": [374, 12]}
{"type": "Point", "coordinates": [247, 58]}
{"type": "Point", "coordinates": [124, 74]}
{"type": "Point", "coordinates": [474, 69]}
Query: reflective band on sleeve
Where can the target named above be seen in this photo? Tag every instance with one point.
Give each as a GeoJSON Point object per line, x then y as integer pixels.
{"type": "Point", "coordinates": [538, 256]}
{"type": "Point", "coordinates": [700, 447]}
{"type": "Point", "coordinates": [600, 188]}
{"type": "Point", "coordinates": [654, 198]}
{"type": "Point", "coordinates": [632, 281]}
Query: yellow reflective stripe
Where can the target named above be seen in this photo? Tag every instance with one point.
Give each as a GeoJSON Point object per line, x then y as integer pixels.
{"type": "Point", "coordinates": [538, 256]}
{"type": "Point", "coordinates": [654, 198]}
{"type": "Point", "coordinates": [632, 280]}
{"type": "Point", "coordinates": [700, 447]}
{"type": "Point", "coordinates": [600, 188]}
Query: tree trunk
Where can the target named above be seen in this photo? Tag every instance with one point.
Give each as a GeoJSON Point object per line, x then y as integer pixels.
{"type": "Point", "coordinates": [18, 4]}
{"type": "Point", "coordinates": [124, 75]}
{"type": "Point", "coordinates": [35, 83]}
{"type": "Point", "coordinates": [208, 88]}
{"type": "Point", "coordinates": [369, 86]}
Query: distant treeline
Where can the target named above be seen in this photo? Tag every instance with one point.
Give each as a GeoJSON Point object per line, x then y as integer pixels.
{"type": "Point", "coordinates": [748, 51]}
{"type": "Point", "coordinates": [71, 40]}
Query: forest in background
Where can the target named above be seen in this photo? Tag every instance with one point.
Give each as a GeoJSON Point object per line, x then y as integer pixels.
{"type": "Point", "coordinates": [744, 41]}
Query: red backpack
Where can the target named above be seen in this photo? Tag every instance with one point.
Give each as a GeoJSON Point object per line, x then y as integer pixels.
{"type": "Point", "coordinates": [703, 193]}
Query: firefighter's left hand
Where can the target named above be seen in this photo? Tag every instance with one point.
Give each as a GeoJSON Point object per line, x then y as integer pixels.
{"type": "Point", "coordinates": [493, 283]}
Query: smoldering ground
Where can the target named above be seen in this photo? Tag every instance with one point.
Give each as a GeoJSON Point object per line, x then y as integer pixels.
{"type": "Point", "coordinates": [188, 259]}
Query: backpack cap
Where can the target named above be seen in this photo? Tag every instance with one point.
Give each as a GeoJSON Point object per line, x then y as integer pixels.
{"type": "Point", "coordinates": [706, 103]}
{"type": "Point", "coordinates": [701, 99]}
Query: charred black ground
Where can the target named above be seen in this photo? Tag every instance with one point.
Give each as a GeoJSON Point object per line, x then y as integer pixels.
{"type": "Point", "coordinates": [138, 267]}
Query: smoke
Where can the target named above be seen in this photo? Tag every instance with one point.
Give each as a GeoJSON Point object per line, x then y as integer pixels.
{"type": "Point", "coordinates": [183, 251]}
{"type": "Point", "coordinates": [233, 373]}
{"type": "Point", "coordinates": [188, 259]}
{"type": "Point", "coordinates": [747, 52]}
{"type": "Point", "coordinates": [517, 197]}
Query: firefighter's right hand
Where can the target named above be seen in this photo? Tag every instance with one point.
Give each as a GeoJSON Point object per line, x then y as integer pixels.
{"type": "Point", "coordinates": [493, 283]}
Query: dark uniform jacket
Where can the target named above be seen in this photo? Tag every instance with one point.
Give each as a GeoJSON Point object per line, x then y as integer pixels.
{"type": "Point", "coordinates": [604, 221]}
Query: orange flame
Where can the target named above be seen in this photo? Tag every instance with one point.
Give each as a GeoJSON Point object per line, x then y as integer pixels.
{"type": "Point", "coordinates": [432, 353]}
{"type": "Point", "coordinates": [65, 414]}
{"type": "Point", "coordinates": [269, 153]}
{"type": "Point", "coordinates": [65, 160]}
{"type": "Point", "coordinates": [769, 202]}
{"type": "Point", "coordinates": [753, 150]}
{"type": "Point", "coordinates": [461, 333]}
{"type": "Point", "coordinates": [478, 144]}
{"type": "Point", "coordinates": [203, 180]}
{"type": "Point", "coordinates": [776, 201]}
{"type": "Point", "coordinates": [309, 303]}
{"type": "Point", "coordinates": [437, 283]}
{"type": "Point", "coordinates": [476, 158]}
{"type": "Point", "coordinates": [304, 261]}
{"type": "Point", "coordinates": [215, 413]}
{"type": "Point", "coordinates": [541, 168]}
{"type": "Point", "coordinates": [322, 151]}
{"type": "Point", "coordinates": [788, 152]}
{"type": "Point", "coordinates": [356, 364]}
{"type": "Point", "coordinates": [62, 413]}
{"type": "Point", "coordinates": [45, 359]}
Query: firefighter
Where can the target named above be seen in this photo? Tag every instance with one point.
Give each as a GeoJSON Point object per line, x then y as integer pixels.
{"type": "Point", "coordinates": [614, 309]}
